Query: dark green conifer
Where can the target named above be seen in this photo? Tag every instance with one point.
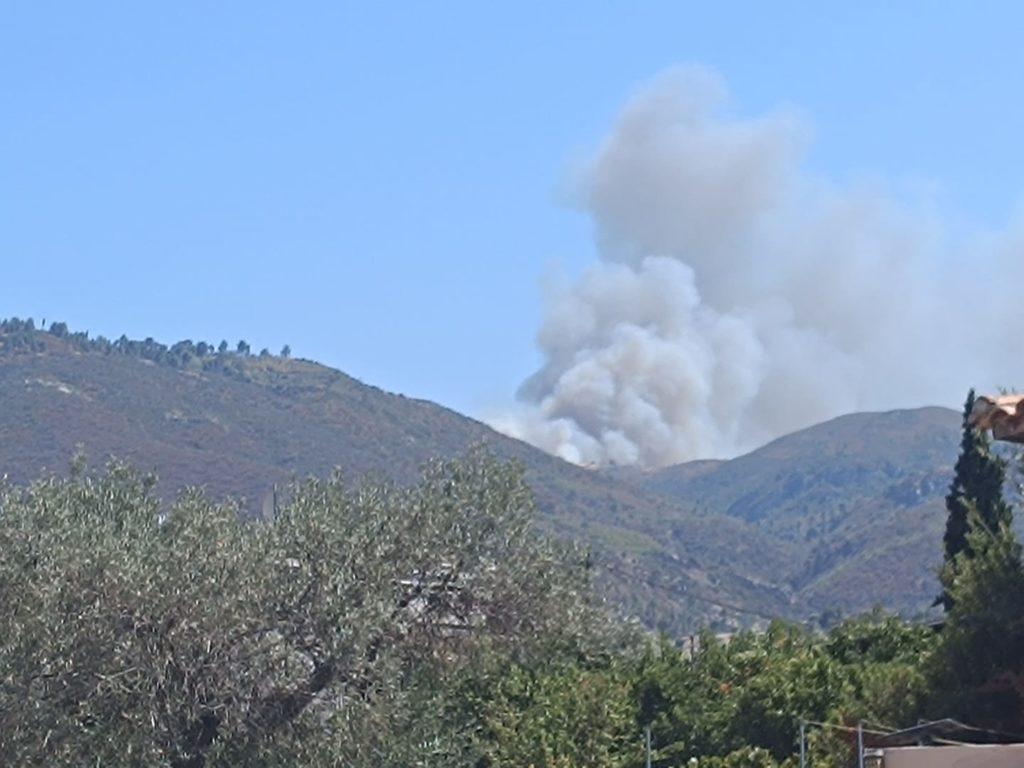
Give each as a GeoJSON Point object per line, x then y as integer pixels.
{"type": "Point", "coordinates": [978, 482]}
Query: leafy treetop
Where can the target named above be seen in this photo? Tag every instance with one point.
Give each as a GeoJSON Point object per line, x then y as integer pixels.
{"type": "Point", "coordinates": [22, 336]}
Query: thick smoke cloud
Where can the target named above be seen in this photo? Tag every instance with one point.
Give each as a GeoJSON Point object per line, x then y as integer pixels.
{"type": "Point", "coordinates": [738, 297]}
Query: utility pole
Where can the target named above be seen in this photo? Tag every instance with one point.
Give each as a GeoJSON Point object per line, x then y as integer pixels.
{"type": "Point", "coordinates": [647, 741]}
{"type": "Point", "coordinates": [803, 751]}
{"type": "Point", "coordinates": [860, 744]}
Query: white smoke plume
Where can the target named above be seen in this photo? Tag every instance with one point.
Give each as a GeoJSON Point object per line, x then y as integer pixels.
{"type": "Point", "coordinates": [738, 297]}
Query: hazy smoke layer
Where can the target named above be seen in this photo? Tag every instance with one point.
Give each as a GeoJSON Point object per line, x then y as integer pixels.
{"type": "Point", "coordinates": [738, 298]}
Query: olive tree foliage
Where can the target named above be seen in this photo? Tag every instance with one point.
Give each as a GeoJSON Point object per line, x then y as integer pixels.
{"type": "Point", "coordinates": [133, 635]}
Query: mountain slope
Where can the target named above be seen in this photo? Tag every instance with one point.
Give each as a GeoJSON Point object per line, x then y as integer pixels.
{"type": "Point", "coordinates": [840, 516]}
{"type": "Point", "coordinates": [240, 424]}
{"type": "Point", "coordinates": [861, 497]}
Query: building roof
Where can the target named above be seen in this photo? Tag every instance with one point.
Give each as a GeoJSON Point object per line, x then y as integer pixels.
{"type": "Point", "coordinates": [1003, 414]}
{"type": "Point", "coordinates": [944, 731]}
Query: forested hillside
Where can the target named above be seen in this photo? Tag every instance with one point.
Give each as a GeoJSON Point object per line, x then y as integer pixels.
{"type": "Point", "coordinates": [860, 496]}
{"type": "Point", "coordinates": [805, 526]}
{"type": "Point", "coordinates": [237, 423]}
{"type": "Point", "coordinates": [146, 625]}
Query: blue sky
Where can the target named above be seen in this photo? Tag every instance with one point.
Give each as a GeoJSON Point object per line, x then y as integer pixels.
{"type": "Point", "coordinates": [381, 186]}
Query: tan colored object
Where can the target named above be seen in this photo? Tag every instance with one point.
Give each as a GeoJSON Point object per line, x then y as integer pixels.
{"type": "Point", "coordinates": [1003, 414]}
{"type": "Point", "coordinates": [979, 756]}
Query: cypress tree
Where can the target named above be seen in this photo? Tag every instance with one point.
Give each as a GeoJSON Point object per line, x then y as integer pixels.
{"type": "Point", "coordinates": [977, 483]}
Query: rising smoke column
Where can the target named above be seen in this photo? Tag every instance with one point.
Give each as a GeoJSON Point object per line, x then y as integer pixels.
{"type": "Point", "coordinates": [738, 298]}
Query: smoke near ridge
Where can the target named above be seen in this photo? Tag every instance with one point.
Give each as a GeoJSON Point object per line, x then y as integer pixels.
{"type": "Point", "coordinates": [738, 297]}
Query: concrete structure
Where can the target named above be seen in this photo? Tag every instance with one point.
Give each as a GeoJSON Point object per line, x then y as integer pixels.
{"type": "Point", "coordinates": [972, 756]}
{"type": "Point", "coordinates": [944, 744]}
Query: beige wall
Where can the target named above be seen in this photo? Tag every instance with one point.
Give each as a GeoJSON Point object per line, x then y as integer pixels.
{"type": "Point", "coordinates": [994, 756]}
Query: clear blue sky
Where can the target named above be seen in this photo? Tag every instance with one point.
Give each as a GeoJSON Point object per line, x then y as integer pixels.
{"type": "Point", "coordinates": [377, 184]}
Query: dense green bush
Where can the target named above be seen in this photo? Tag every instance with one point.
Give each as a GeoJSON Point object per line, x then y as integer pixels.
{"type": "Point", "coordinates": [137, 636]}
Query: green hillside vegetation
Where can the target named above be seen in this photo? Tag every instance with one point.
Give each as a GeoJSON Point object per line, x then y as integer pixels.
{"type": "Point", "coordinates": [428, 624]}
{"type": "Point", "coordinates": [238, 424]}
{"type": "Point", "coordinates": [829, 521]}
{"type": "Point", "coordinates": [861, 497]}
{"type": "Point", "coordinates": [390, 608]}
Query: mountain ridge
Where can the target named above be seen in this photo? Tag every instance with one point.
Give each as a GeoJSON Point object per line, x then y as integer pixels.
{"type": "Point", "coordinates": [860, 486]}
{"type": "Point", "coordinates": [670, 550]}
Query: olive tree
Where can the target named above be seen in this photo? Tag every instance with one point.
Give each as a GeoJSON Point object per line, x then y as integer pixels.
{"type": "Point", "coordinates": [135, 634]}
